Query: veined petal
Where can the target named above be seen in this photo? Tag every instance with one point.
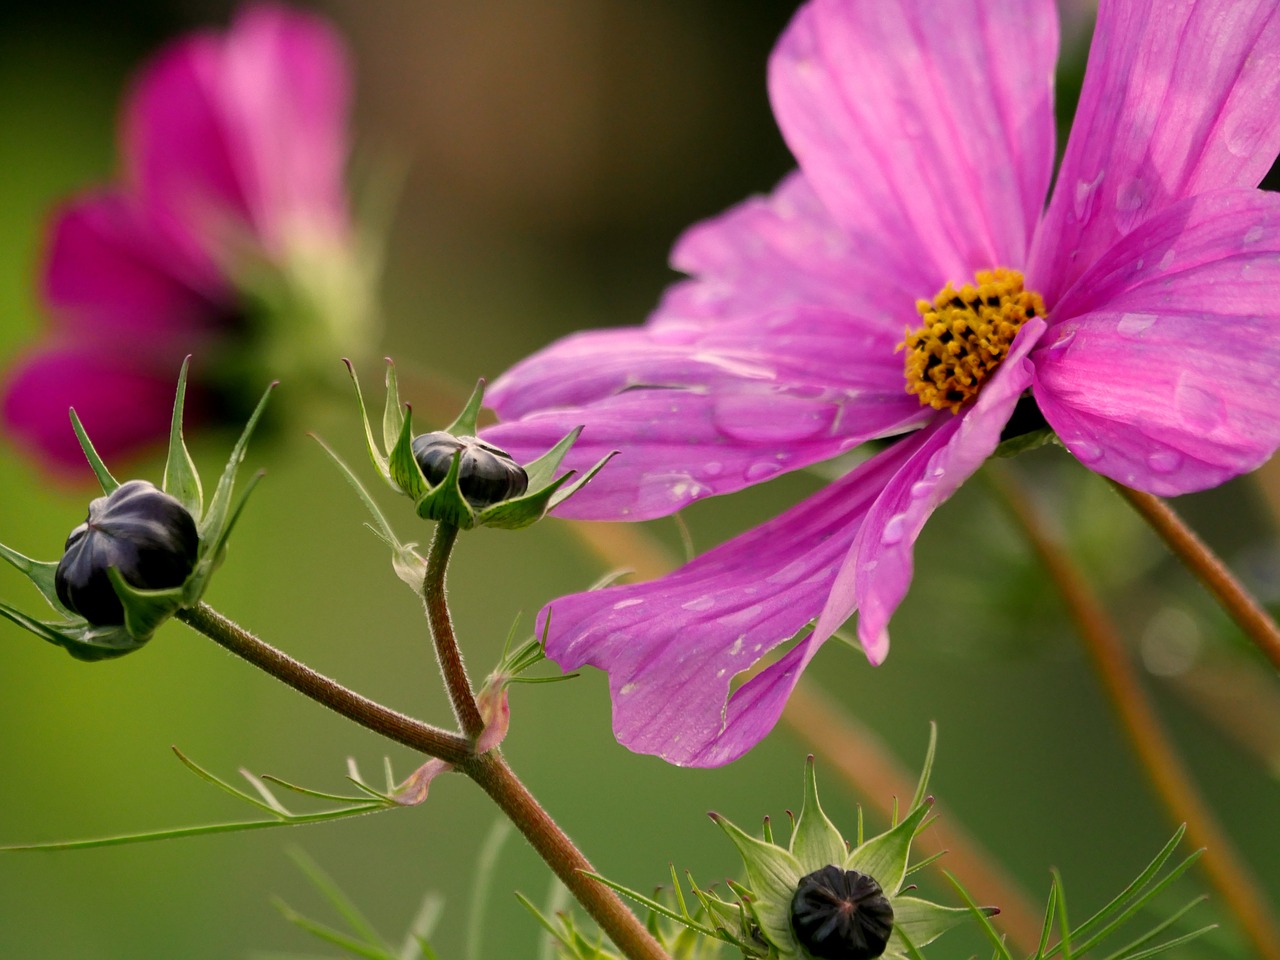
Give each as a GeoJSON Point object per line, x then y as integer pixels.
{"type": "Point", "coordinates": [926, 124]}
{"type": "Point", "coordinates": [123, 407]}
{"type": "Point", "coordinates": [1161, 371]}
{"type": "Point", "coordinates": [781, 252]}
{"type": "Point", "coordinates": [679, 445]}
{"type": "Point", "coordinates": [110, 274]}
{"type": "Point", "coordinates": [877, 571]}
{"type": "Point", "coordinates": [1179, 98]}
{"type": "Point", "coordinates": [673, 646]}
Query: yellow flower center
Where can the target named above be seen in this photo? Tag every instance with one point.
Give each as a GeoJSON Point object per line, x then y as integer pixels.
{"type": "Point", "coordinates": [965, 336]}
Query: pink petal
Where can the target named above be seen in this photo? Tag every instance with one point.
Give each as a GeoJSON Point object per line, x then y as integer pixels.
{"type": "Point", "coordinates": [1179, 98]}
{"type": "Point", "coordinates": [110, 273]}
{"type": "Point", "coordinates": [924, 124]}
{"type": "Point", "coordinates": [673, 646]}
{"type": "Point", "coordinates": [123, 407]}
{"type": "Point", "coordinates": [1161, 371]}
{"type": "Point", "coordinates": [177, 153]}
{"type": "Point", "coordinates": [781, 252]}
{"type": "Point", "coordinates": [700, 411]}
{"type": "Point", "coordinates": [878, 569]}
{"type": "Point", "coordinates": [250, 127]}
{"type": "Point", "coordinates": [286, 99]}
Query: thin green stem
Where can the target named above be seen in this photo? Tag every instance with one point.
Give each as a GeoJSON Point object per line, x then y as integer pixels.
{"type": "Point", "coordinates": [422, 737]}
{"type": "Point", "coordinates": [622, 926]}
{"type": "Point", "coordinates": [448, 655]}
{"type": "Point", "coordinates": [1168, 775]}
{"type": "Point", "coordinates": [1208, 569]}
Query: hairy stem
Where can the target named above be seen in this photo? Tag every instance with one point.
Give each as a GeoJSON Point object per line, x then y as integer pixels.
{"type": "Point", "coordinates": [393, 725]}
{"type": "Point", "coordinates": [1172, 782]}
{"type": "Point", "coordinates": [1208, 569]}
{"type": "Point", "coordinates": [491, 772]}
{"type": "Point", "coordinates": [448, 655]}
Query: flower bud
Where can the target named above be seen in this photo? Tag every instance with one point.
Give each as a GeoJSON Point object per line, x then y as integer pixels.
{"type": "Point", "coordinates": [486, 474]}
{"type": "Point", "coordinates": [841, 915]}
{"type": "Point", "coordinates": [141, 531]}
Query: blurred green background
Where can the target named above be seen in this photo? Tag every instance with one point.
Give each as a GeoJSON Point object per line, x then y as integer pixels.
{"type": "Point", "coordinates": [554, 151]}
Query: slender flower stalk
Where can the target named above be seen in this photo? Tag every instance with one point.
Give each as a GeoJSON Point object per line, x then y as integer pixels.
{"type": "Point", "coordinates": [1169, 777]}
{"type": "Point", "coordinates": [1209, 569]}
{"type": "Point", "coordinates": [491, 772]}
{"type": "Point", "coordinates": [420, 736]}
{"type": "Point", "coordinates": [448, 655]}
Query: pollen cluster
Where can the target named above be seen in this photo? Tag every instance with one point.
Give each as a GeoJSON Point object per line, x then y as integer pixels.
{"type": "Point", "coordinates": [965, 335]}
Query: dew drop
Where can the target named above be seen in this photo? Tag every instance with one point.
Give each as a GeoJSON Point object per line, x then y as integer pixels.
{"type": "Point", "coordinates": [1086, 191]}
{"type": "Point", "coordinates": [1058, 349]}
{"type": "Point", "coordinates": [758, 472]}
{"type": "Point", "coordinates": [1086, 451]}
{"type": "Point", "coordinates": [894, 529]}
{"type": "Point", "coordinates": [1166, 261]}
{"type": "Point", "coordinates": [1133, 324]}
{"type": "Point", "coordinates": [921, 489]}
{"type": "Point", "coordinates": [1164, 461]}
{"type": "Point", "coordinates": [701, 603]}
{"type": "Point", "coordinates": [713, 469]}
{"type": "Point", "coordinates": [1254, 234]}
{"type": "Point", "coordinates": [1201, 409]}
{"type": "Point", "coordinates": [630, 602]}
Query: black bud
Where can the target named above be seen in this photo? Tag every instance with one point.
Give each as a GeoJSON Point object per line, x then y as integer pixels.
{"type": "Point", "coordinates": [841, 915]}
{"type": "Point", "coordinates": [486, 475]}
{"type": "Point", "coordinates": [141, 531]}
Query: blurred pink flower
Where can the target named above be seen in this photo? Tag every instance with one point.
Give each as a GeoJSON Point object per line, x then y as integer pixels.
{"type": "Point", "coordinates": [233, 147]}
{"type": "Point", "coordinates": [1148, 332]}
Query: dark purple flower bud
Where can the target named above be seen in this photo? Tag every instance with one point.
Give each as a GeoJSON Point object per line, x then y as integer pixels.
{"type": "Point", "coordinates": [841, 915]}
{"type": "Point", "coordinates": [141, 531]}
{"type": "Point", "coordinates": [486, 475]}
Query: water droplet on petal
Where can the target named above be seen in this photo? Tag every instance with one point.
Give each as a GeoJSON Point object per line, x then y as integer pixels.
{"type": "Point", "coordinates": [701, 603]}
{"type": "Point", "coordinates": [1086, 190]}
{"type": "Point", "coordinates": [1058, 349]}
{"type": "Point", "coordinates": [758, 472]}
{"type": "Point", "coordinates": [921, 489]}
{"type": "Point", "coordinates": [1133, 324]}
{"type": "Point", "coordinates": [713, 469]}
{"type": "Point", "coordinates": [1201, 409]}
{"type": "Point", "coordinates": [1164, 461]}
{"type": "Point", "coordinates": [894, 529]}
{"type": "Point", "coordinates": [630, 602]}
{"type": "Point", "coordinates": [1254, 234]}
{"type": "Point", "coordinates": [1086, 451]}
{"type": "Point", "coordinates": [1166, 261]}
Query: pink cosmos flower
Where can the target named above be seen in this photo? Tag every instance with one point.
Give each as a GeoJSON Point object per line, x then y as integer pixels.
{"type": "Point", "coordinates": [233, 148]}
{"type": "Point", "coordinates": [1138, 308]}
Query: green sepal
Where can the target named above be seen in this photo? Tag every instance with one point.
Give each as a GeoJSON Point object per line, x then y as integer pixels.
{"type": "Point", "coordinates": [465, 424]}
{"type": "Point", "coordinates": [923, 922]}
{"type": "Point", "coordinates": [80, 639]}
{"type": "Point", "coordinates": [214, 521]}
{"type": "Point", "coordinates": [1025, 442]}
{"type": "Point", "coordinates": [885, 856]}
{"type": "Point", "coordinates": [392, 412]}
{"type": "Point", "coordinates": [105, 479]}
{"type": "Point", "coordinates": [773, 874]}
{"type": "Point", "coordinates": [815, 841]}
{"type": "Point", "coordinates": [181, 480]}
{"type": "Point", "coordinates": [375, 454]}
{"type": "Point", "coordinates": [145, 610]}
{"type": "Point", "coordinates": [40, 573]}
{"type": "Point", "coordinates": [405, 473]}
{"type": "Point", "coordinates": [405, 560]}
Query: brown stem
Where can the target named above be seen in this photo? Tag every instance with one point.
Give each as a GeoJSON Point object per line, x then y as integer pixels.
{"type": "Point", "coordinates": [868, 768]}
{"type": "Point", "coordinates": [622, 926]}
{"type": "Point", "coordinates": [448, 654]}
{"type": "Point", "coordinates": [1209, 569]}
{"type": "Point", "coordinates": [395, 726]}
{"type": "Point", "coordinates": [1173, 784]}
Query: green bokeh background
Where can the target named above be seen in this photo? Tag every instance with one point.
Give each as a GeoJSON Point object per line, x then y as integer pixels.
{"type": "Point", "coordinates": [553, 153]}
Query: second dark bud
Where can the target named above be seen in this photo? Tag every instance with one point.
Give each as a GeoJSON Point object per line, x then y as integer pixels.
{"type": "Point", "coordinates": [486, 474]}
